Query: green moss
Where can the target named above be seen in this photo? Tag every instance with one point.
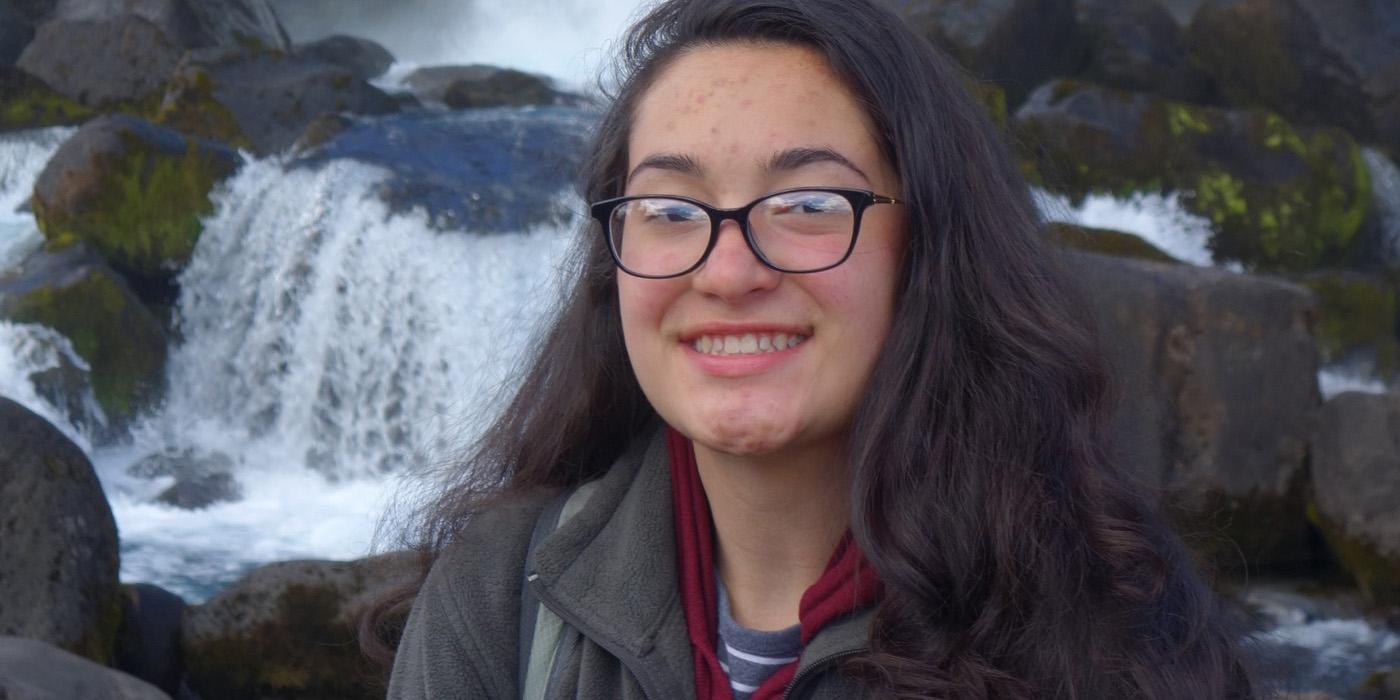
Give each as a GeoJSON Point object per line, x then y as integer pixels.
{"type": "Point", "coordinates": [109, 329]}
{"type": "Point", "coordinates": [1183, 119]}
{"type": "Point", "coordinates": [1106, 242]}
{"type": "Point", "coordinates": [1219, 196]}
{"type": "Point", "coordinates": [193, 108]}
{"type": "Point", "coordinates": [1377, 574]}
{"type": "Point", "coordinates": [306, 653]}
{"type": "Point", "coordinates": [146, 217]}
{"type": "Point", "coordinates": [1356, 312]}
{"type": "Point", "coordinates": [101, 641]}
{"type": "Point", "coordinates": [38, 107]}
{"type": "Point", "coordinates": [992, 98]}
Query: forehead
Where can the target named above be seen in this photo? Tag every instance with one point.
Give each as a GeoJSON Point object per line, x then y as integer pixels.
{"type": "Point", "coordinates": [723, 99]}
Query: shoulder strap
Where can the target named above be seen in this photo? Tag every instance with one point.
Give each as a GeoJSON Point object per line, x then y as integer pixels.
{"type": "Point", "coordinates": [540, 628]}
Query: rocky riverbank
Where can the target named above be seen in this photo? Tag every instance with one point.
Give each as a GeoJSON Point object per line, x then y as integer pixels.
{"type": "Point", "coordinates": [1272, 121]}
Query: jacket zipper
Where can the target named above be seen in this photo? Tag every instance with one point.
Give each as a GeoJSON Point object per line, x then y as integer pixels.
{"type": "Point", "coordinates": [630, 662]}
{"type": "Point", "coordinates": [811, 669]}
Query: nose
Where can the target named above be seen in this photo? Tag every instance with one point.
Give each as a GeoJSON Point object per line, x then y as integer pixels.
{"type": "Point", "coordinates": [733, 270]}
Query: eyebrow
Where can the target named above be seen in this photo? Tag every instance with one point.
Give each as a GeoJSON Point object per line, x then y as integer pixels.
{"type": "Point", "coordinates": [790, 159]}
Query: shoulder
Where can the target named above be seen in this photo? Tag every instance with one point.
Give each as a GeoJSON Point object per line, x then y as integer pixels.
{"type": "Point", "coordinates": [462, 634]}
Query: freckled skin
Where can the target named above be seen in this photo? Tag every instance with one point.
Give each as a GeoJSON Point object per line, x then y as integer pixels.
{"type": "Point", "coordinates": [805, 403]}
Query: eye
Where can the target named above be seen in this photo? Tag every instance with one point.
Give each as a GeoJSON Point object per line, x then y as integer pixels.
{"type": "Point", "coordinates": [814, 203]}
{"type": "Point", "coordinates": [668, 211]}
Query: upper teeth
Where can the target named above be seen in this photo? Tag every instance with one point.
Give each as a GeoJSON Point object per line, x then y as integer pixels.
{"type": "Point", "coordinates": [747, 344]}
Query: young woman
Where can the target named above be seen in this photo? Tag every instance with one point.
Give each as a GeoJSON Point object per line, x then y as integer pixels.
{"type": "Point", "coordinates": [816, 420]}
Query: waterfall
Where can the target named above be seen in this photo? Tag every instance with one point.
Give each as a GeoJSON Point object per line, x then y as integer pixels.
{"type": "Point", "coordinates": [1385, 193]}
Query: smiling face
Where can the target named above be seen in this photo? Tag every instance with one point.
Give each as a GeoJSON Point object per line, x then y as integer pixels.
{"type": "Point", "coordinates": [739, 357]}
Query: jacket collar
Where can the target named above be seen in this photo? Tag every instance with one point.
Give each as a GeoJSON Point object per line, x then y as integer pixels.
{"type": "Point", "coordinates": [612, 568]}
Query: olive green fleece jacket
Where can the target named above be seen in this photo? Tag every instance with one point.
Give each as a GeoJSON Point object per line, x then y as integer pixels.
{"type": "Point", "coordinates": [610, 573]}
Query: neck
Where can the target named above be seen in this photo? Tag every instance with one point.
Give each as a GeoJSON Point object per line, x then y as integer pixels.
{"type": "Point", "coordinates": [777, 520]}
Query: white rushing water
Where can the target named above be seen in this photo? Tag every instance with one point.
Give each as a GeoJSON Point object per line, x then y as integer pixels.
{"type": "Point", "coordinates": [1385, 188]}
{"type": "Point", "coordinates": [1156, 218]}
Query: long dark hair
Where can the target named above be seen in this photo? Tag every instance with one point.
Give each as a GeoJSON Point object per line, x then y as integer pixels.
{"type": "Point", "coordinates": [1017, 560]}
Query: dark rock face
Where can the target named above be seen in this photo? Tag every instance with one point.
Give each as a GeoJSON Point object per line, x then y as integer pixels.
{"type": "Point", "coordinates": [58, 541]}
{"type": "Point", "coordinates": [134, 190]}
{"type": "Point", "coordinates": [33, 670]}
{"type": "Point", "coordinates": [263, 100]}
{"type": "Point", "coordinates": [1279, 198]}
{"type": "Point", "coordinates": [1217, 399]}
{"type": "Point", "coordinates": [107, 63]}
{"type": "Point", "coordinates": [148, 642]}
{"type": "Point", "coordinates": [1106, 242]}
{"type": "Point", "coordinates": [1136, 45]}
{"type": "Point", "coordinates": [288, 629]}
{"type": "Point", "coordinates": [201, 480]}
{"type": "Point", "coordinates": [190, 24]}
{"type": "Point", "coordinates": [465, 87]}
{"type": "Point", "coordinates": [365, 58]}
{"type": "Point", "coordinates": [1334, 62]}
{"type": "Point", "coordinates": [1356, 478]}
{"type": "Point", "coordinates": [1017, 44]}
{"type": "Point", "coordinates": [1357, 316]}
{"type": "Point", "coordinates": [15, 32]}
{"type": "Point", "coordinates": [28, 103]}
{"type": "Point", "coordinates": [73, 292]}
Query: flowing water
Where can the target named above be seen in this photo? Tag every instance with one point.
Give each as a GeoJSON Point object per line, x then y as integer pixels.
{"type": "Point", "coordinates": [353, 314]}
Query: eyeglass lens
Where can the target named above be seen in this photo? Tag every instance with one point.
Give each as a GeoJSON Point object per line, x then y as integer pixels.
{"type": "Point", "coordinates": [796, 231]}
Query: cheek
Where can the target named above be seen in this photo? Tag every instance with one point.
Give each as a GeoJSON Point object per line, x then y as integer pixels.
{"type": "Point", "coordinates": [642, 305]}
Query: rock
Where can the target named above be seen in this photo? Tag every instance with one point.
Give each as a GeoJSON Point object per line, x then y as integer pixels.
{"type": "Point", "coordinates": [465, 87]}
{"type": "Point", "coordinates": [190, 24]}
{"type": "Point", "coordinates": [1135, 45]}
{"type": "Point", "coordinates": [362, 57]}
{"type": "Point", "coordinates": [116, 64]}
{"type": "Point", "coordinates": [201, 480]}
{"type": "Point", "coordinates": [15, 33]}
{"type": "Point", "coordinates": [1357, 315]}
{"type": "Point", "coordinates": [58, 552]}
{"type": "Point", "coordinates": [28, 103]}
{"type": "Point", "coordinates": [262, 100]}
{"type": "Point", "coordinates": [1017, 44]}
{"type": "Point", "coordinates": [148, 642]}
{"type": "Point", "coordinates": [59, 376]}
{"type": "Point", "coordinates": [73, 292]}
{"type": "Point", "coordinates": [289, 629]}
{"type": "Point", "coordinates": [1106, 242]}
{"type": "Point", "coordinates": [1356, 479]}
{"type": "Point", "coordinates": [33, 670]}
{"type": "Point", "coordinates": [321, 130]}
{"type": "Point", "coordinates": [134, 190]}
{"type": "Point", "coordinates": [1279, 198]}
{"type": "Point", "coordinates": [1183, 10]}
{"type": "Point", "coordinates": [1316, 62]}
{"type": "Point", "coordinates": [1217, 384]}
{"type": "Point", "coordinates": [1382, 685]}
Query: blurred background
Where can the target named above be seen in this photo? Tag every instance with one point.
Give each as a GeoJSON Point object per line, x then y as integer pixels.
{"type": "Point", "coordinates": [262, 261]}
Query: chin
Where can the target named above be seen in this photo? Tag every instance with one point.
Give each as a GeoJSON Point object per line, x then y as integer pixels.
{"type": "Point", "coordinates": [745, 435]}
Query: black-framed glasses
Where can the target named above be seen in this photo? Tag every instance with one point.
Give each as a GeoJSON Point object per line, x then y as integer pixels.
{"type": "Point", "coordinates": [807, 229]}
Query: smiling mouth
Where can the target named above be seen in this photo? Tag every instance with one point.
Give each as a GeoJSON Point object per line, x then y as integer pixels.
{"type": "Point", "coordinates": [746, 344]}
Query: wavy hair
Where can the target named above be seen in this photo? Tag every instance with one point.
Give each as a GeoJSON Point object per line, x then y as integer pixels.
{"type": "Point", "coordinates": [1018, 561]}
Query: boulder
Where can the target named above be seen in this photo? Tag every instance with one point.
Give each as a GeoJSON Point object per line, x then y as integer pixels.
{"type": "Point", "coordinates": [190, 24]}
{"type": "Point", "coordinates": [1216, 376]}
{"type": "Point", "coordinates": [262, 100]}
{"type": "Point", "coordinates": [15, 33]}
{"type": "Point", "coordinates": [1017, 44]}
{"type": "Point", "coordinates": [148, 642]}
{"type": "Point", "coordinates": [1135, 45]}
{"type": "Point", "coordinates": [133, 190]}
{"type": "Point", "coordinates": [1356, 482]}
{"type": "Point", "coordinates": [75, 293]}
{"type": "Point", "coordinates": [58, 541]}
{"type": "Point", "coordinates": [33, 670]}
{"type": "Point", "coordinates": [365, 58]}
{"type": "Point", "coordinates": [1357, 318]}
{"type": "Point", "coordinates": [200, 479]}
{"type": "Point", "coordinates": [289, 630]}
{"type": "Point", "coordinates": [27, 103]}
{"type": "Point", "coordinates": [465, 87]}
{"type": "Point", "coordinates": [1316, 62]}
{"type": "Point", "coordinates": [1105, 241]}
{"type": "Point", "coordinates": [120, 63]}
{"type": "Point", "coordinates": [1279, 198]}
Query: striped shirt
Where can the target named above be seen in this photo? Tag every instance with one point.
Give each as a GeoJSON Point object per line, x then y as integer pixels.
{"type": "Point", "coordinates": [749, 656]}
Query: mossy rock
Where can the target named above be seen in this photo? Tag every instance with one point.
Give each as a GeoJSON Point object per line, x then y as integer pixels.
{"type": "Point", "coordinates": [75, 293]}
{"type": "Point", "coordinates": [1377, 574]}
{"type": "Point", "coordinates": [1106, 242]}
{"type": "Point", "coordinates": [28, 103]}
{"type": "Point", "coordinates": [992, 98]}
{"type": "Point", "coordinates": [1243, 536]}
{"type": "Point", "coordinates": [289, 630]}
{"type": "Point", "coordinates": [135, 191]}
{"type": "Point", "coordinates": [1357, 313]}
{"type": "Point", "coordinates": [1279, 198]}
